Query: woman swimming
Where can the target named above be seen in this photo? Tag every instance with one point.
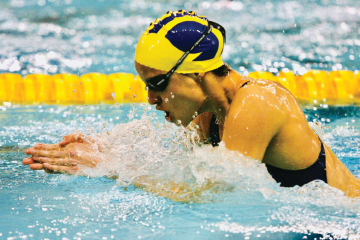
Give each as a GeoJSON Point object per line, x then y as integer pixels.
{"type": "Point", "coordinates": [180, 55]}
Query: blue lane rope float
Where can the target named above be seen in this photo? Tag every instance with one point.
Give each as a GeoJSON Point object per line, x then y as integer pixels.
{"type": "Point", "coordinates": [334, 88]}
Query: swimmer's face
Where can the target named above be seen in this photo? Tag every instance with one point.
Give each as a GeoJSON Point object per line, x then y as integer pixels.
{"type": "Point", "coordinates": [181, 99]}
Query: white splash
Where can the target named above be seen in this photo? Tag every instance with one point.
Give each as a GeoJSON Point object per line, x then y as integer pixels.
{"type": "Point", "coordinates": [166, 153]}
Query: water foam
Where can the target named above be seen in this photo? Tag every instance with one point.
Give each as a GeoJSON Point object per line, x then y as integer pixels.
{"type": "Point", "coordinates": [165, 153]}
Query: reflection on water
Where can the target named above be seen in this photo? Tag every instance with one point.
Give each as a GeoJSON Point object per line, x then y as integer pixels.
{"type": "Point", "coordinates": [82, 36]}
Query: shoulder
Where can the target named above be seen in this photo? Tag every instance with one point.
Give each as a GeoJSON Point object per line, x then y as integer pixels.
{"type": "Point", "coordinates": [263, 98]}
{"type": "Point", "coordinates": [257, 113]}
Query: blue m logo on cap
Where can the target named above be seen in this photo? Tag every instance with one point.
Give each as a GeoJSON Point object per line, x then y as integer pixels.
{"type": "Point", "coordinates": [185, 34]}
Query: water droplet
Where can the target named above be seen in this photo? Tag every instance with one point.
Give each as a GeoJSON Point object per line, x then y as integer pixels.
{"type": "Point", "coordinates": [113, 95]}
{"type": "Point", "coordinates": [87, 92]}
{"type": "Point", "coordinates": [172, 96]}
{"type": "Point", "coordinates": [134, 96]}
{"type": "Point", "coordinates": [179, 122]}
{"type": "Point", "coordinates": [147, 98]}
{"type": "Point", "coordinates": [146, 88]}
{"type": "Point", "coordinates": [74, 90]}
{"type": "Point", "coordinates": [166, 100]}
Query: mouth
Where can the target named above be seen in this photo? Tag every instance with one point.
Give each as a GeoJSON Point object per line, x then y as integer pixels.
{"type": "Point", "coordinates": [167, 116]}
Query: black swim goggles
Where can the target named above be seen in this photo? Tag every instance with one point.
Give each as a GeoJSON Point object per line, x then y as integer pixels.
{"type": "Point", "coordinates": [160, 82]}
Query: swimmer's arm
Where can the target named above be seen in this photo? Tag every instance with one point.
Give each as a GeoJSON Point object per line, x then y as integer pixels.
{"type": "Point", "coordinates": [254, 118]}
{"type": "Point", "coordinates": [168, 189]}
{"type": "Point", "coordinates": [339, 176]}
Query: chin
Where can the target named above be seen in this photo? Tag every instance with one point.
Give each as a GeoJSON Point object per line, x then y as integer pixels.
{"type": "Point", "coordinates": [178, 124]}
{"type": "Point", "coordinates": [184, 123]}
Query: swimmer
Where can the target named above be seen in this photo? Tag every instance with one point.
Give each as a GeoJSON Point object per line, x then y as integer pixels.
{"type": "Point", "coordinates": [179, 55]}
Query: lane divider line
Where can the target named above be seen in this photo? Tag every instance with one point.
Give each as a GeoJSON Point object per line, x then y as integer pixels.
{"type": "Point", "coordinates": [334, 88]}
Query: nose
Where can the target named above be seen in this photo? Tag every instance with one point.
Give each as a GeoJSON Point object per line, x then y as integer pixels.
{"type": "Point", "coordinates": [154, 97]}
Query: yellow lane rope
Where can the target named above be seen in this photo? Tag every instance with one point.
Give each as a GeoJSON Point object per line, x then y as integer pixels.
{"type": "Point", "coordinates": [334, 88]}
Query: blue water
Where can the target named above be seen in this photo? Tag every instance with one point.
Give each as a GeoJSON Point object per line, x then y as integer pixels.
{"type": "Point", "coordinates": [37, 205]}
{"type": "Point", "coordinates": [56, 36]}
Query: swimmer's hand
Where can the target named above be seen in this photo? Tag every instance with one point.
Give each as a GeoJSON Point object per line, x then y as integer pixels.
{"type": "Point", "coordinates": [71, 138]}
{"type": "Point", "coordinates": [64, 157]}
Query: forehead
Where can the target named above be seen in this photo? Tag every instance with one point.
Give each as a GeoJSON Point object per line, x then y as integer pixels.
{"type": "Point", "coordinates": [147, 72]}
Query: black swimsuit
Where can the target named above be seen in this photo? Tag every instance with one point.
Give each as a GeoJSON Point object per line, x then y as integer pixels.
{"type": "Point", "coordinates": [286, 178]}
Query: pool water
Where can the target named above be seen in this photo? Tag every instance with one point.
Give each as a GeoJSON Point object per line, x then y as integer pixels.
{"type": "Point", "coordinates": [83, 36]}
{"type": "Point", "coordinates": [37, 205]}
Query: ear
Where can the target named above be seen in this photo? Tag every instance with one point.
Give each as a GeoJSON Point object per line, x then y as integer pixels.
{"type": "Point", "coordinates": [201, 75]}
{"type": "Point", "coordinates": [196, 76]}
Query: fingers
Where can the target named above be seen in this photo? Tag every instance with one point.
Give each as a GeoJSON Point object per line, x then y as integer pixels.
{"type": "Point", "coordinates": [71, 138]}
{"type": "Point", "coordinates": [41, 146]}
{"type": "Point", "coordinates": [29, 151]}
{"type": "Point", "coordinates": [66, 140]}
{"type": "Point", "coordinates": [28, 161]}
{"type": "Point", "coordinates": [52, 165]}
{"type": "Point", "coordinates": [33, 164]}
{"type": "Point", "coordinates": [36, 166]}
{"type": "Point", "coordinates": [56, 161]}
{"type": "Point", "coordinates": [62, 169]}
{"type": "Point", "coordinates": [50, 153]}
{"type": "Point", "coordinates": [50, 171]}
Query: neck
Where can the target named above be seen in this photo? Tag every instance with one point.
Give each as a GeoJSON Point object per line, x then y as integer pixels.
{"type": "Point", "coordinates": [220, 92]}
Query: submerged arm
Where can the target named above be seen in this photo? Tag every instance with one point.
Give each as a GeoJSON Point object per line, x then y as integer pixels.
{"type": "Point", "coordinates": [179, 192]}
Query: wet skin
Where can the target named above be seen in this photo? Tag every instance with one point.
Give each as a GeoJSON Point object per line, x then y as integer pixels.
{"type": "Point", "coordinates": [261, 120]}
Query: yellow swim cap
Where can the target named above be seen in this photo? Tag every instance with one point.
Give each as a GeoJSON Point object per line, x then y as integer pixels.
{"type": "Point", "coordinates": [169, 37]}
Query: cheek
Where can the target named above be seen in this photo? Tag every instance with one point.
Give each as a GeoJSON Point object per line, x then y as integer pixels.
{"type": "Point", "coordinates": [179, 92]}
{"type": "Point", "coordinates": [182, 97]}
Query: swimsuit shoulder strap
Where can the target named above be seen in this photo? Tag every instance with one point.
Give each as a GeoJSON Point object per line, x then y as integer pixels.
{"type": "Point", "coordinates": [244, 84]}
{"type": "Point", "coordinates": [214, 131]}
